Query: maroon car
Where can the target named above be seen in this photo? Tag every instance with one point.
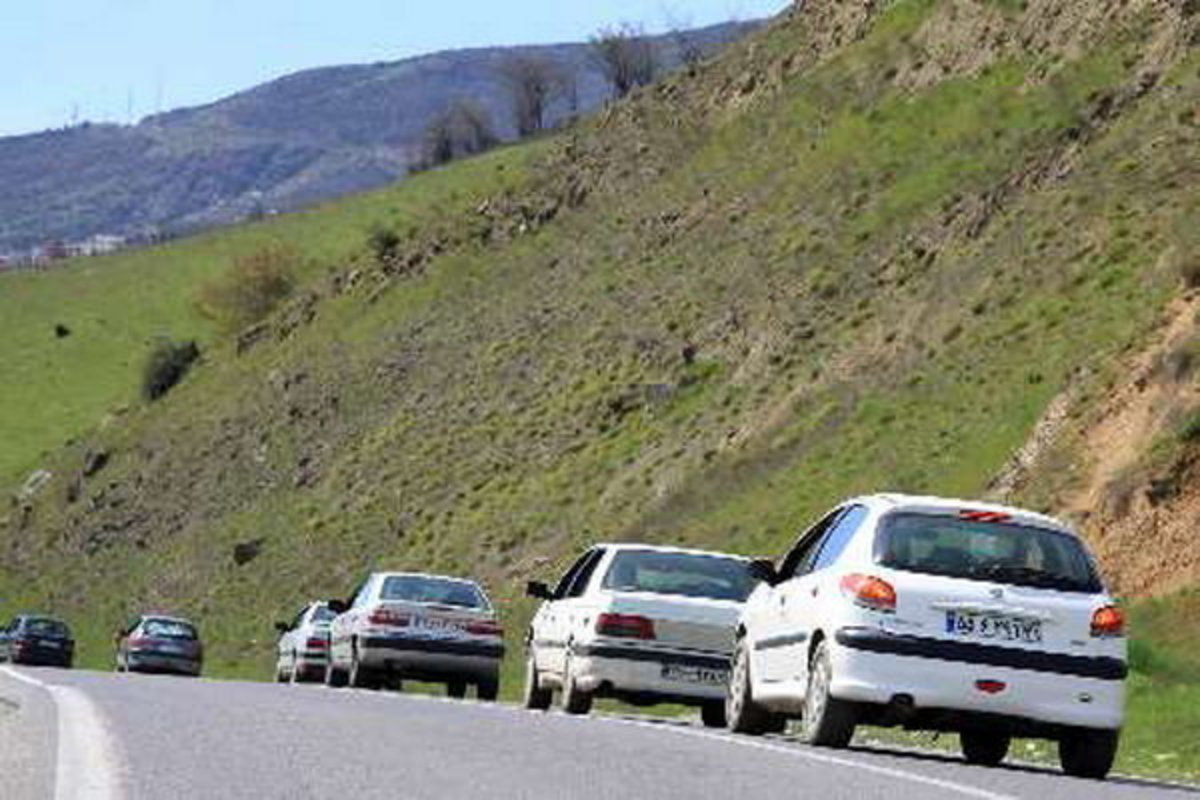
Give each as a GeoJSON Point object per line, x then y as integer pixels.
{"type": "Point", "coordinates": [154, 643]}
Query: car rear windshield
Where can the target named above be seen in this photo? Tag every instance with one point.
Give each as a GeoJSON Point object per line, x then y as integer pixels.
{"type": "Point", "coordinates": [168, 629]}
{"type": "Point", "coordinates": [684, 574]}
{"type": "Point", "coordinates": [322, 614]}
{"type": "Point", "coordinates": [434, 591]}
{"type": "Point", "coordinates": [47, 627]}
{"type": "Point", "coordinates": [1000, 552]}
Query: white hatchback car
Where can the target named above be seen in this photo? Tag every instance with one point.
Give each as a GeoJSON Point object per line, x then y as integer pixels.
{"type": "Point", "coordinates": [303, 648]}
{"type": "Point", "coordinates": [425, 627]}
{"type": "Point", "coordinates": [936, 614]}
{"type": "Point", "coordinates": [639, 623]}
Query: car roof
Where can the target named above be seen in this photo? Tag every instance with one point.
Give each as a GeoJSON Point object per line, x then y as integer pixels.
{"type": "Point", "coordinates": [46, 617]}
{"type": "Point", "coordinates": [166, 618]}
{"type": "Point", "coordinates": [656, 548]}
{"type": "Point", "coordinates": [384, 575]}
{"type": "Point", "coordinates": [929, 503]}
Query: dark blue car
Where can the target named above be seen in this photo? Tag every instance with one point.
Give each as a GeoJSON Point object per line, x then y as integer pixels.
{"type": "Point", "coordinates": [37, 640]}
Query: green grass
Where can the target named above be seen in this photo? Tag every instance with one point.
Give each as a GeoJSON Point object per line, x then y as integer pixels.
{"type": "Point", "coordinates": [883, 285]}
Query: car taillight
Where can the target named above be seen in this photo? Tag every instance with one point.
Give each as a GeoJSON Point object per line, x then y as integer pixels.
{"type": "Point", "coordinates": [628, 626]}
{"type": "Point", "coordinates": [869, 592]}
{"type": "Point", "coordinates": [484, 628]}
{"type": "Point", "coordinates": [1108, 622]}
{"type": "Point", "coordinates": [386, 616]}
{"type": "Point", "coordinates": [314, 643]}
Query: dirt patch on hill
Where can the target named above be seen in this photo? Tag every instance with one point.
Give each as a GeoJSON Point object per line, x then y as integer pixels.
{"type": "Point", "coordinates": [1137, 491]}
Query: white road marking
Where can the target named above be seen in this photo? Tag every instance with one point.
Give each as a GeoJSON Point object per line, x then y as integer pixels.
{"type": "Point", "coordinates": [824, 758]}
{"type": "Point", "coordinates": [86, 767]}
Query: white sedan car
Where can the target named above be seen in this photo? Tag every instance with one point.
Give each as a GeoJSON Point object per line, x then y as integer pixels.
{"type": "Point", "coordinates": [638, 623]}
{"type": "Point", "coordinates": [936, 614]}
{"type": "Point", "coordinates": [303, 648]}
{"type": "Point", "coordinates": [425, 627]}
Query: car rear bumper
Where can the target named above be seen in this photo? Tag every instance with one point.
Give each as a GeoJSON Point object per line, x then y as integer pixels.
{"type": "Point", "coordinates": [433, 659]}
{"type": "Point", "coordinates": [649, 674]}
{"type": "Point", "coordinates": [163, 662]}
{"type": "Point", "coordinates": [873, 666]}
{"type": "Point", "coordinates": [40, 655]}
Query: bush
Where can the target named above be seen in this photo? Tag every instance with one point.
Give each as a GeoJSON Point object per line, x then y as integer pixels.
{"type": "Point", "coordinates": [167, 365]}
{"type": "Point", "coordinates": [1189, 271]}
{"type": "Point", "coordinates": [251, 288]}
{"type": "Point", "coordinates": [384, 243]}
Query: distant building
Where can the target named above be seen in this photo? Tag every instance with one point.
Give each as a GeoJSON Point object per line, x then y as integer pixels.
{"type": "Point", "coordinates": [53, 251]}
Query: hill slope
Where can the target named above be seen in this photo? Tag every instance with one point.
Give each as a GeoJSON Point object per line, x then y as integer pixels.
{"type": "Point", "coordinates": [306, 137]}
{"type": "Point", "coordinates": [878, 246]}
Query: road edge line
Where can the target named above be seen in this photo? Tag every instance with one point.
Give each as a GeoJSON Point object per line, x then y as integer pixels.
{"type": "Point", "coordinates": [86, 762]}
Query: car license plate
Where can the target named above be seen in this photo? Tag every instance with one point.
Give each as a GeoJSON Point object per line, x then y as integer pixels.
{"type": "Point", "coordinates": [993, 627]}
{"type": "Point", "coordinates": [437, 628]}
{"type": "Point", "coordinates": [675, 672]}
{"type": "Point", "coordinates": [53, 645]}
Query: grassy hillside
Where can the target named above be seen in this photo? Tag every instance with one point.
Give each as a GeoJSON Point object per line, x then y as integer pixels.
{"type": "Point", "coordinates": [865, 250]}
{"type": "Point", "coordinates": [117, 307]}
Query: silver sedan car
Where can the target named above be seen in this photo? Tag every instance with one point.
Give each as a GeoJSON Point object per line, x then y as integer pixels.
{"type": "Point", "coordinates": [426, 627]}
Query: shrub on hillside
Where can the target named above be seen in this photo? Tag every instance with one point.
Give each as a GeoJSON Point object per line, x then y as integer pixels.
{"type": "Point", "coordinates": [384, 243]}
{"type": "Point", "coordinates": [167, 365]}
{"type": "Point", "coordinates": [251, 288]}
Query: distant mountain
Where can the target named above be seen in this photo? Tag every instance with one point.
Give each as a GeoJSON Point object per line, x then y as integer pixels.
{"type": "Point", "coordinates": [306, 137]}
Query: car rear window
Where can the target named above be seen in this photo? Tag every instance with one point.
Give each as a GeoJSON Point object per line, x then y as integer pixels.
{"type": "Point", "coordinates": [322, 614]}
{"type": "Point", "coordinates": [168, 629]}
{"type": "Point", "coordinates": [999, 552]}
{"type": "Point", "coordinates": [684, 574]}
{"type": "Point", "coordinates": [434, 591]}
{"type": "Point", "coordinates": [47, 627]}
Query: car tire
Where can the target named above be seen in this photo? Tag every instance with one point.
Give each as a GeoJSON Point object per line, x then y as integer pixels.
{"type": "Point", "coordinates": [574, 700]}
{"type": "Point", "coordinates": [1088, 752]}
{"type": "Point", "coordinates": [488, 691]}
{"type": "Point", "coordinates": [456, 689]}
{"type": "Point", "coordinates": [827, 721]}
{"type": "Point", "coordinates": [742, 714]}
{"type": "Point", "coordinates": [712, 714]}
{"type": "Point", "coordinates": [984, 749]}
{"type": "Point", "coordinates": [360, 677]}
{"type": "Point", "coordinates": [334, 677]}
{"type": "Point", "coordinates": [535, 697]}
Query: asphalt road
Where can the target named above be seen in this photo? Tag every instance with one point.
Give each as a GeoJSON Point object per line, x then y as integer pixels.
{"type": "Point", "coordinates": [91, 736]}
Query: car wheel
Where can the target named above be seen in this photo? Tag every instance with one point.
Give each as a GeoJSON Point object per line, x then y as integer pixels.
{"type": "Point", "coordinates": [334, 677]}
{"type": "Point", "coordinates": [574, 699]}
{"type": "Point", "coordinates": [1088, 752]}
{"type": "Point", "coordinates": [360, 677]}
{"type": "Point", "coordinates": [828, 722]}
{"type": "Point", "coordinates": [712, 714]}
{"type": "Point", "coordinates": [984, 749]}
{"type": "Point", "coordinates": [535, 698]}
{"type": "Point", "coordinates": [295, 675]}
{"type": "Point", "coordinates": [742, 714]}
{"type": "Point", "coordinates": [456, 689]}
{"type": "Point", "coordinates": [488, 691]}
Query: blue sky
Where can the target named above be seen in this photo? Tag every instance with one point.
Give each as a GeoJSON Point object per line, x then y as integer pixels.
{"type": "Point", "coordinates": [101, 59]}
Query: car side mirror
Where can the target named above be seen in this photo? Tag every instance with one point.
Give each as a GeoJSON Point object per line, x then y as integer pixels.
{"type": "Point", "coordinates": [338, 606]}
{"type": "Point", "coordinates": [764, 570]}
{"type": "Point", "coordinates": [282, 627]}
{"type": "Point", "coordinates": [539, 590]}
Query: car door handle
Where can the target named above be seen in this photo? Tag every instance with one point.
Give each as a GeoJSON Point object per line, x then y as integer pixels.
{"type": "Point", "coordinates": [783, 599]}
{"type": "Point", "coordinates": [816, 590]}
